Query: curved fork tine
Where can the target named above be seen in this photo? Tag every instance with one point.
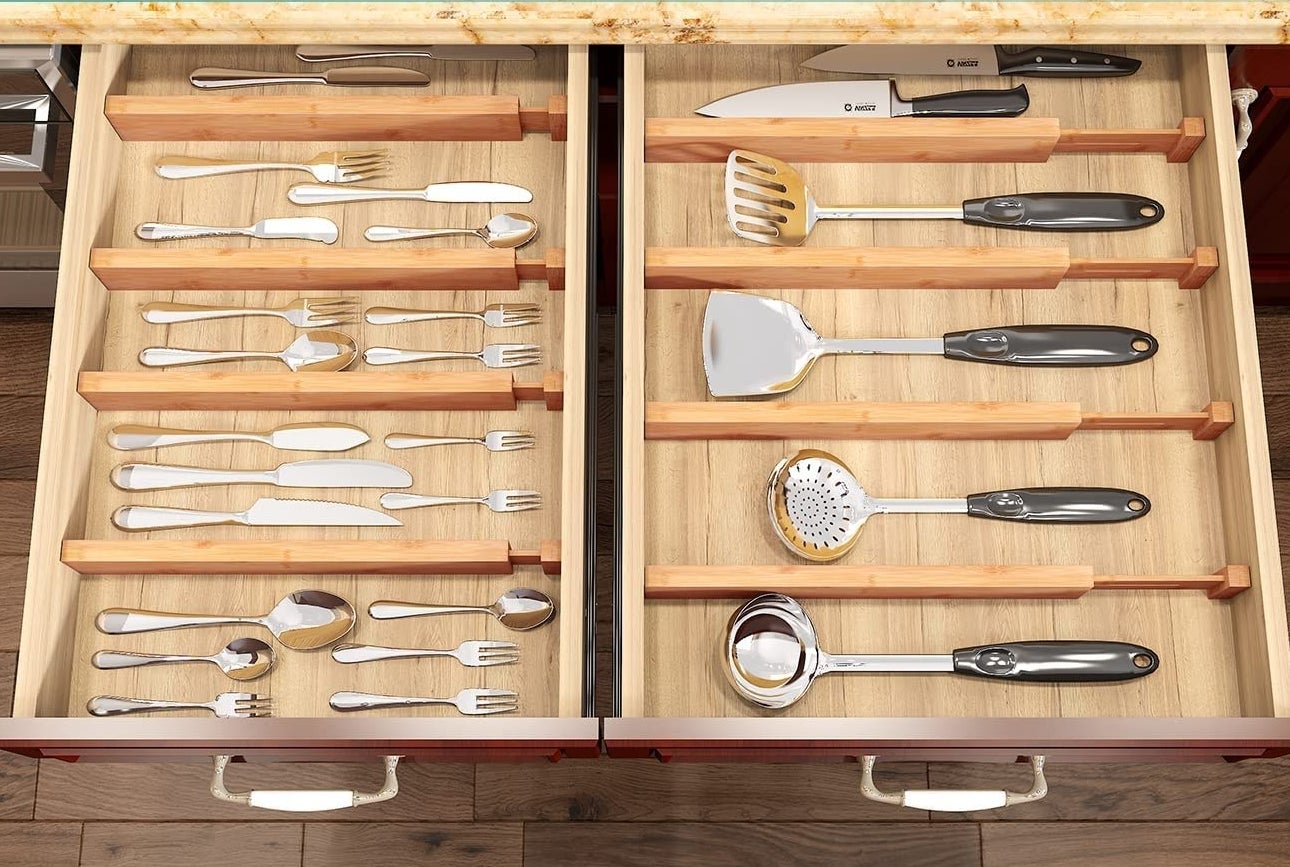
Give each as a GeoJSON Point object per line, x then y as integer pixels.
{"type": "Point", "coordinates": [497, 645]}
{"type": "Point", "coordinates": [346, 157]}
{"type": "Point", "coordinates": [341, 301]}
{"type": "Point", "coordinates": [493, 710]}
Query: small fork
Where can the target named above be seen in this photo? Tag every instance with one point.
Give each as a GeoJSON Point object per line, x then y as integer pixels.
{"type": "Point", "coordinates": [494, 440]}
{"type": "Point", "coordinates": [493, 316]}
{"type": "Point", "coordinates": [472, 654]}
{"type": "Point", "coordinates": [498, 501]}
{"type": "Point", "coordinates": [225, 705]}
{"type": "Point", "coordinates": [302, 313]}
{"type": "Point", "coordinates": [473, 702]}
{"type": "Point", "coordinates": [330, 167]}
{"type": "Point", "coordinates": [492, 355]}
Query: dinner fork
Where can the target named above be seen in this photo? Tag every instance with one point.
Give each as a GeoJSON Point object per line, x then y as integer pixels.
{"type": "Point", "coordinates": [302, 313]}
{"type": "Point", "coordinates": [474, 702]}
{"type": "Point", "coordinates": [226, 705]}
{"type": "Point", "coordinates": [492, 355]}
{"type": "Point", "coordinates": [494, 440]}
{"type": "Point", "coordinates": [330, 167]}
{"type": "Point", "coordinates": [498, 501]}
{"type": "Point", "coordinates": [473, 654]}
{"type": "Point", "coordinates": [493, 316]}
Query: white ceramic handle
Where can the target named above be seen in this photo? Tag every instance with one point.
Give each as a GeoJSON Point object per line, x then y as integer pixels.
{"type": "Point", "coordinates": [952, 800]}
{"type": "Point", "coordinates": [305, 800]}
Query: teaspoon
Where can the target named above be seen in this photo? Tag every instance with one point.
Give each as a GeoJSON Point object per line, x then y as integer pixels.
{"type": "Point", "coordinates": [505, 231]}
{"type": "Point", "coordinates": [517, 609]}
{"type": "Point", "coordinates": [241, 659]}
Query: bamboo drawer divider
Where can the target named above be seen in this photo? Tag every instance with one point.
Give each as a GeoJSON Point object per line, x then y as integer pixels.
{"type": "Point", "coordinates": [906, 140]}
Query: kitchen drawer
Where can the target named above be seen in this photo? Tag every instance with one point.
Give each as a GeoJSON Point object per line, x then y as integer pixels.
{"type": "Point", "coordinates": [1186, 428]}
{"type": "Point", "coordinates": [520, 122]}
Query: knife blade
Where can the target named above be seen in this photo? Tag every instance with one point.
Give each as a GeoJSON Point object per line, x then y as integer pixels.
{"type": "Point", "coordinates": [322, 53]}
{"type": "Point", "coordinates": [877, 98]}
{"type": "Point", "coordinates": [972, 60]}
{"type": "Point", "coordinates": [339, 473]}
{"type": "Point", "coordinates": [265, 512]}
{"type": "Point", "coordinates": [301, 437]}
{"type": "Point", "coordinates": [452, 192]}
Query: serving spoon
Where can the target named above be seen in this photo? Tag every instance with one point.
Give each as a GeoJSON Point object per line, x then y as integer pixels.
{"type": "Point", "coordinates": [503, 231]}
{"type": "Point", "coordinates": [518, 609]}
{"type": "Point", "coordinates": [304, 620]}
{"type": "Point", "coordinates": [772, 655]}
{"type": "Point", "coordinates": [240, 659]}
{"type": "Point", "coordinates": [317, 350]}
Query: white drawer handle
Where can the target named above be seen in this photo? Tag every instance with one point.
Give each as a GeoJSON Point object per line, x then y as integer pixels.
{"type": "Point", "coordinates": [954, 800]}
{"type": "Point", "coordinates": [305, 800]}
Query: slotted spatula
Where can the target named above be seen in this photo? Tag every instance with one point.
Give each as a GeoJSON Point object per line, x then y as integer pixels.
{"type": "Point", "coordinates": [768, 202]}
{"type": "Point", "coordinates": [756, 346]}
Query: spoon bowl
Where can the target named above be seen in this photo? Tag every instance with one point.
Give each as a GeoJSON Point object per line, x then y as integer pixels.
{"type": "Point", "coordinates": [508, 231]}
{"type": "Point", "coordinates": [309, 619]}
{"type": "Point", "coordinates": [771, 651]}
{"type": "Point", "coordinates": [320, 350]}
{"type": "Point", "coordinates": [245, 658]}
{"type": "Point", "coordinates": [523, 608]}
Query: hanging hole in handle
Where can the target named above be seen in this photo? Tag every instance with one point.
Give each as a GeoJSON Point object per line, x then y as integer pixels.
{"type": "Point", "coordinates": [1136, 505]}
{"type": "Point", "coordinates": [1148, 211]}
{"type": "Point", "coordinates": [1140, 344]}
{"type": "Point", "coordinates": [1141, 660]}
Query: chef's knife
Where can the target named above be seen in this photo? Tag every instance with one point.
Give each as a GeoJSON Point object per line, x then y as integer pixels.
{"type": "Point", "coordinates": [972, 60]}
{"type": "Point", "coordinates": [209, 77]}
{"type": "Point", "coordinates": [297, 474]}
{"type": "Point", "coordinates": [323, 436]}
{"type": "Point", "coordinates": [322, 53]}
{"type": "Point", "coordinates": [266, 512]}
{"type": "Point", "coordinates": [877, 98]}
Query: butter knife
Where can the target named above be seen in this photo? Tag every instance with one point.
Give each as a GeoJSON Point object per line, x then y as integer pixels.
{"type": "Point", "coordinates": [322, 53]}
{"type": "Point", "coordinates": [212, 77]}
{"type": "Point", "coordinates": [339, 473]}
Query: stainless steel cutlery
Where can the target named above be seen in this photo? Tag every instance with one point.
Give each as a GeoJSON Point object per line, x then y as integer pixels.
{"type": "Point", "coordinates": [493, 316]}
{"type": "Point", "coordinates": [450, 192]}
{"type": "Point", "coordinates": [240, 659]}
{"type": "Point", "coordinates": [494, 355]}
{"type": "Point", "coordinates": [503, 231]}
{"type": "Point", "coordinates": [226, 705]}
{"type": "Point", "coordinates": [302, 313]}
{"type": "Point", "coordinates": [472, 702]}
{"type": "Point", "coordinates": [494, 440]}
{"type": "Point", "coordinates": [1045, 62]}
{"type": "Point", "coordinates": [316, 350]}
{"type": "Point", "coordinates": [864, 99]}
{"type": "Point", "coordinates": [318, 229]}
{"type": "Point", "coordinates": [322, 53]}
{"type": "Point", "coordinates": [265, 512]}
{"type": "Point", "coordinates": [309, 436]}
{"type": "Point", "coordinates": [519, 609]}
{"type": "Point", "coordinates": [340, 473]}
{"type": "Point", "coordinates": [329, 167]}
{"type": "Point", "coordinates": [472, 654]}
{"type": "Point", "coordinates": [497, 501]}
{"type": "Point", "coordinates": [211, 77]}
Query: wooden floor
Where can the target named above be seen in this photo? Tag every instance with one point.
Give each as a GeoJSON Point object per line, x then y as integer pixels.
{"type": "Point", "coordinates": [610, 813]}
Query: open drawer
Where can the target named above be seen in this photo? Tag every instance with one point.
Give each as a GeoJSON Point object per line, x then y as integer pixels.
{"type": "Point", "coordinates": [520, 122]}
{"type": "Point", "coordinates": [1198, 579]}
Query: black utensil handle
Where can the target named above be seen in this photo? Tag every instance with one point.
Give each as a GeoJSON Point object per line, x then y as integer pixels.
{"type": "Point", "coordinates": [1052, 345]}
{"type": "Point", "coordinates": [1057, 661]}
{"type": "Point", "coordinates": [1060, 505]}
{"type": "Point", "coordinates": [1065, 63]}
{"type": "Point", "coordinates": [1065, 212]}
{"type": "Point", "coordinates": [972, 103]}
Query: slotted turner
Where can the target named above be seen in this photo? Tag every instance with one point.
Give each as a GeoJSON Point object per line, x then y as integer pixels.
{"type": "Point", "coordinates": [768, 202]}
{"type": "Point", "coordinates": [817, 506]}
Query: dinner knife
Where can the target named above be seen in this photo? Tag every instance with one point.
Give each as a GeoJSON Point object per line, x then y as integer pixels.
{"type": "Point", "coordinates": [876, 98]}
{"type": "Point", "coordinates": [296, 474]}
{"type": "Point", "coordinates": [210, 77]}
{"type": "Point", "coordinates": [972, 60]}
{"type": "Point", "coordinates": [451, 192]}
{"type": "Point", "coordinates": [265, 512]}
{"type": "Point", "coordinates": [323, 436]}
{"type": "Point", "coordinates": [322, 53]}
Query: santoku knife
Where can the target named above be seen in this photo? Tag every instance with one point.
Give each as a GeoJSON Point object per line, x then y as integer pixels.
{"type": "Point", "coordinates": [877, 98]}
{"type": "Point", "coordinates": [266, 512]}
{"type": "Point", "coordinates": [297, 474]}
{"type": "Point", "coordinates": [972, 60]}
{"type": "Point", "coordinates": [321, 53]}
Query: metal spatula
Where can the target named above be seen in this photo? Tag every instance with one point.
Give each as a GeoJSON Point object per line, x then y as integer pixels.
{"type": "Point", "coordinates": [768, 202]}
{"type": "Point", "coordinates": [757, 346]}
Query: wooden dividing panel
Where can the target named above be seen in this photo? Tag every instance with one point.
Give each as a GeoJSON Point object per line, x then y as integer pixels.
{"type": "Point", "coordinates": [700, 507]}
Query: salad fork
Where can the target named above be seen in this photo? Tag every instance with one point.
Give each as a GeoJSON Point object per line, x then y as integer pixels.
{"type": "Point", "coordinates": [330, 167]}
{"type": "Point", "coordinates": [473, 702]}
{"type": "Point", "coordinates": [497, 501]}
{"type": "Point", "coordinates": [302, 313]}
{"type": "Point", "coordinates": [494, 440]}
{"type": "Point", "coordinates": [493, 355]}
{"type": "Point", "coordinates": [472, 654]}
{"type": "Point", "coordinates": [493, 316]}
{"type": "Point", "coordinates": [225, 705]}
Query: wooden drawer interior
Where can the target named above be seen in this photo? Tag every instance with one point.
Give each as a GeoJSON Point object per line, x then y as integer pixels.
{"type": "Point", "coordinates": [81, 564]}
{"type": "Point", "coordinates": [1186, 428]}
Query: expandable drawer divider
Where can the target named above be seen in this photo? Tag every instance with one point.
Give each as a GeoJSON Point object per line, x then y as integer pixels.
{"type": "Point", "coordinates": [921, 582]}
{"type": "Point", "coordinates": [906, 140]}
{"type": "Point", "coordinates": [306, 557]}
{"type": "Point", "coordinates": [246, 117]}
{"type": "Point", "coordinates": [358, 390]}
{"type": "Point", "coordinates": [907, 268]}
{"type": "Point", "coordinates": [333, 268]}
{"type": "Point", "coordinates": [912, 420]}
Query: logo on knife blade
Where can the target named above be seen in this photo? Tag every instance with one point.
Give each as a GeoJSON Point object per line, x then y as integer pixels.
{"type": "Point", "coordinates": [962, 62]}
{"type": "Point", "coordinates": [862, 107]}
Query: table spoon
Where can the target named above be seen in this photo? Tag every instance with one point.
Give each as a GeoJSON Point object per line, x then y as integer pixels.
{"type": "Point", "coordinates": [317, 350]}
{"type": "Point", "coordinates": [503, 231]}
{"type": "Point", "coordinates": [517, 609]}
{"type": "Point", "coordinates": [240, 659]}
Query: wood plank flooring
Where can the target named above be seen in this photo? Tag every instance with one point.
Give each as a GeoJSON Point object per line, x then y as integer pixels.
{"type": "Point", "coordinates": [610, 813]}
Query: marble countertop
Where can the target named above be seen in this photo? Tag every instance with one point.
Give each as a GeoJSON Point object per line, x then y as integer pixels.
{"type": "Point", "coordinates": [1161, 21]}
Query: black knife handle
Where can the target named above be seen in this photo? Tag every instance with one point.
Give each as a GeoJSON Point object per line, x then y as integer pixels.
{"type": "Point", "coordinates": [1060, 505]}
{"type": "Point", "coordinates": [1065, 63]}
{"type": "Point", "coordinates": [1052, 345]}
{"type": "Point", "coordinates": [1064, 212]}
{"type": "Point", "coordinates": [972, 103]}
{"type": "Point", "coordinates": [1057, 661]}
